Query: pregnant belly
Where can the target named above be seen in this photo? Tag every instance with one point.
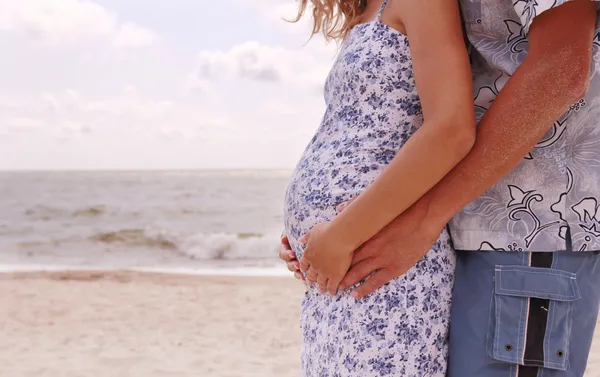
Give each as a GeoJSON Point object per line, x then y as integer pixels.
{"type": "Point", "coordinates": [313, 195]}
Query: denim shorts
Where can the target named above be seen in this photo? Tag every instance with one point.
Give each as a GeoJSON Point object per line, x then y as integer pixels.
{"type": "Point", "coordinates": [523, 314]}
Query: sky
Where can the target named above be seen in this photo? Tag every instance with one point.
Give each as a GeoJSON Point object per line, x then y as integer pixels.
{"type": "Point", "coordinates": [157, 84]}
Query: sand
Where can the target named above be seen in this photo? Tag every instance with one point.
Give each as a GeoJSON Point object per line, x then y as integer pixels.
{"type": "Point", "coordinates": [131, 324]}
{"type": "Point", "coordinates": [107, 324]}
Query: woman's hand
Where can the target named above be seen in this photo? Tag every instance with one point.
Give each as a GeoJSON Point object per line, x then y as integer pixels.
{"type": "Point", "coordinates": [327, 258]}
{"type": "Point", "coordinates": [289, 257]}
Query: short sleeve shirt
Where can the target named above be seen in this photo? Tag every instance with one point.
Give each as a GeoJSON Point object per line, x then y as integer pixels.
{"type": "Point", "coordinates": [551, 200]}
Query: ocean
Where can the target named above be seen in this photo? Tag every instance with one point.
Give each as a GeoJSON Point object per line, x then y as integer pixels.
{"type": "Point", "coordinates": [158, 220]}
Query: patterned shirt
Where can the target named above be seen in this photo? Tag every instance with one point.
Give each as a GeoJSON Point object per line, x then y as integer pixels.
{"type": "Point", "coordinates": [551, 200]}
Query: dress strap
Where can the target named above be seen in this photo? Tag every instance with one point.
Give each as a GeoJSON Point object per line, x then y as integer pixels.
{"type": "Point", "coordinates": [381, 10]}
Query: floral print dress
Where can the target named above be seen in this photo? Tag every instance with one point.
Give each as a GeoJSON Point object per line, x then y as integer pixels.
{"type": "Point", "coordinates": [372, 109]}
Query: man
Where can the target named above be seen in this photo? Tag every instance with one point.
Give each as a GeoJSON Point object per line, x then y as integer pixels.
{"type": "Point", "coordinates": [527, 284]}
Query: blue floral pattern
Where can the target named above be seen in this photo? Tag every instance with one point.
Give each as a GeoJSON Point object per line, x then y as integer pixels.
{"type": "Point", "coordinates": [372, 109]}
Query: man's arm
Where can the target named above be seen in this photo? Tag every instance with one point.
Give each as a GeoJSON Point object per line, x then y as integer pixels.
{"type": "Point", "coordinates": [554, 75]}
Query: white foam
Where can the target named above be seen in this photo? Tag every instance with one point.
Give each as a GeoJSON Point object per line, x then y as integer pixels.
{"type": "Point", "coordinates": [223, 246]}
{"type": "Point", "coordinates": [243, 272]}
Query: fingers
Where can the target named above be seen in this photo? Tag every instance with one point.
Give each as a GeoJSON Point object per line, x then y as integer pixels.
{"type": "Point", "coordinates": [322, 282]}
{"type": "Point", "coordinates": [311, 276]}
{"type": "Point", "coordinates": [366, 251]}
{"type": "Point", "coordinates": [304, 239]}
{"type": "Point", "coordinates": [304, 264]}
{"type": "Point", "coordinates": [372, 284]}
{"type": "Point", "coordinates": [293, 266]}
{"type": "Point", "coordinates": [342, 206]}
{"type": "Point", "coordinates": [332, 286]}
{"type": "Point", "coordinates": [298, 275]}
{"type": "Point", "coordinates": [287, 255]}
{"type": "Point", "coordinates": [358, 272]}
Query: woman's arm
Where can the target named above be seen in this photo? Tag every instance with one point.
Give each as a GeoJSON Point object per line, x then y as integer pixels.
{"type": "Point", "coordinates": [445, 87]}
{"type": "Point", "coordinates": [444, 83]}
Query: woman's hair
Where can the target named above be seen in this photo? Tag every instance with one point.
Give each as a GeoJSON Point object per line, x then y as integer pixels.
{"type": "Point", "coordinates": [333, 18]}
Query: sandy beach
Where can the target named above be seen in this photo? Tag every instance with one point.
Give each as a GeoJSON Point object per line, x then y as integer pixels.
{"type": "Point", "coordinates": [133, 324]}
{"type": "Point", "coordinates": [139, 324]}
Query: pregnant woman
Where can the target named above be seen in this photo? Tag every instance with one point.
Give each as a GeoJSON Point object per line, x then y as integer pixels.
{"type": "Point", "coordinates": [399, 117]}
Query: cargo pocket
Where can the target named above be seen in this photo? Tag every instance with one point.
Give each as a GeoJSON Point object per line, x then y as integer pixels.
{"type": "Point", "coordinates": [512, 336]}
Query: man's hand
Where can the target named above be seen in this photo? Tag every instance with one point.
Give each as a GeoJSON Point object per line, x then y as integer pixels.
{"type": "Point", "coordinates": [289, 257]}
{"type": "Point", "coordinates": [393, 251]}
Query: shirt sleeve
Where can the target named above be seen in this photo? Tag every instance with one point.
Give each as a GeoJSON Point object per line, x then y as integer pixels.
{"type": "Point", "coordinates": [527, 10]}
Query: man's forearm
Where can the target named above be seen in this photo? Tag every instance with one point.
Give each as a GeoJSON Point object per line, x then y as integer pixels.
{"type": "Point", "coordinates": [520, 116]}
{"type": "Point", "coordinates": [539, 91]}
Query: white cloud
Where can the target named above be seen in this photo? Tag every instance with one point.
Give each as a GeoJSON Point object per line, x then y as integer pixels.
{"type": "Point", "coordinates": [250, 60]}
{"type": "Point", "coordinates": [280, 108]}
{"type": "Point", "coordinates": [69, 22]}
{"type": "Point", "coordinates": [126, 104]}
{"type": "Point", "coordinates": [299, 62]}
{"type": "Point", "coordinates": [258, 62]}
{"type": "Point", "coordinates": [279, 13]}
{"type": "Point", "coordinates": [20, 124]}
{"type": "Point", "coordinates": [131, 35]}
{"type": "Point", "coordinates": [86, 105]}
{"type": "Point", "coordinates": [127, 129]}
{"type": "Point", "coordinates": [76, 127]}
{"type": "Point", "coordinates": [70, 112]}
